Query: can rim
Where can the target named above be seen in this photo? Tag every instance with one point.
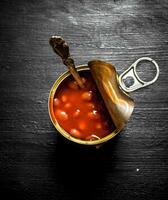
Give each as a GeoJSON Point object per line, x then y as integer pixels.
{"type": "Point", "coordinates": [56, 124]}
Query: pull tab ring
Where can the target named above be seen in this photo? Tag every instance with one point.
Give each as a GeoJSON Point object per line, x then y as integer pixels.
{"type": "Point", "coordinates": [131, 73]}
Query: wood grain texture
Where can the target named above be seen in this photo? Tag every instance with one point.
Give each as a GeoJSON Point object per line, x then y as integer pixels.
{"type": "Point", "coordinates": [35, 162]}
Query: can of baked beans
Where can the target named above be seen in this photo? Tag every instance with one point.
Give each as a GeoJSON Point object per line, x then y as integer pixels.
{"type": "Point", "coordinates": [80, 114]}
{"type": "Point", "coordinates": [96, 113]}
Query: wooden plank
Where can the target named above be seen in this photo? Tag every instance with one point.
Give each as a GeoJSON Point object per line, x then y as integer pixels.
{"type": "Point", "coordinates": [35, 162]}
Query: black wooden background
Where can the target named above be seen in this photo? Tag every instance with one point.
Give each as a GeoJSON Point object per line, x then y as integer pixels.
{"type": "Point", "coordinates": [37, 163]}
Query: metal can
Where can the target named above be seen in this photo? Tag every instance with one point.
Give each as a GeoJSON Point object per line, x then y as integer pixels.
{"type": "Point", "coordinates": [117, 93]}
{"type": "Point", "coordinates": [54, 120]}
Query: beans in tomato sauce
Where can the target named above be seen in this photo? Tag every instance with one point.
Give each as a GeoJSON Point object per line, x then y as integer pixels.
{"type": "Point", "coordinates": [81, 112]}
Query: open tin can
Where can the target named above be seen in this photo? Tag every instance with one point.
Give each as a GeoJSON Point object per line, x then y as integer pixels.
{"type": "Point", "coordinates": [113, 89]}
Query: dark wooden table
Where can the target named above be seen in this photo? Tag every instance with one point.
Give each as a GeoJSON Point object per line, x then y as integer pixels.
{"type": "Point", "coordinates": [37, 163]}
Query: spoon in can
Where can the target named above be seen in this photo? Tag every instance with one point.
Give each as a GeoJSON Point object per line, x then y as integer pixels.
{"type": "Point", "coordinates": [61, 48]}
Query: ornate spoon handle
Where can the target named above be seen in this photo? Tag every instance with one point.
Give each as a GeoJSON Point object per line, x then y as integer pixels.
{"type": "Point", "coordinates": [61, 48]}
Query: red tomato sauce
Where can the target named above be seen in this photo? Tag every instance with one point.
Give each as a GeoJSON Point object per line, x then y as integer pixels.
{"type": "Point", "coordinates": [82, 112]}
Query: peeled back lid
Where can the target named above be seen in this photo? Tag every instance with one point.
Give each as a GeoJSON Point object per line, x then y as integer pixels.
{"type": "Point", "coordinates": [119, 105]}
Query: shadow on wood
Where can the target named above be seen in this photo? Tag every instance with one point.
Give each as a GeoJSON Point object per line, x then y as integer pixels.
{"type": "Point", "coordinates": [81, 170]}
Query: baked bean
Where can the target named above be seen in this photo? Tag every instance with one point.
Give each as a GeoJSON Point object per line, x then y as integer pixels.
{"type": "Point", "coordinates": [73, 85]}
{"type": "Point", "coordinates": [87, 96]}
{"type": "Point", "coordinates": [76, 113]}
{"type": "Point", "coordinates": [94, 114]}
{"type": "Point", "coordinates": [68, 105]}
{"type": "Point", "coordinates": [64, 98]}
{"type": "Point", "coordinates": [83, 80]}
{"type": "Point", "coordinates": [56, 102]}
{"type": "Point", "coordinates": [99, 126]}
{"type": "Point", "coordinates": [62, 115]}
{"type": "Point", "coordinates": [90, 105]}
{"type": "Point", "coordinates": [75, 133]}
